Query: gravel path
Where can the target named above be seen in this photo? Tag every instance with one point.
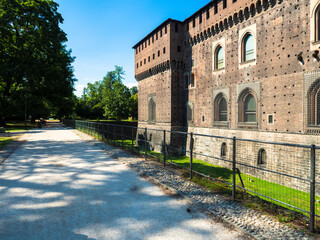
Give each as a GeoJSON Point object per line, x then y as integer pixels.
{"type": "Point", "coordinates": [59, 186]}
{"type": "Point", "coordinates": [254, 223]}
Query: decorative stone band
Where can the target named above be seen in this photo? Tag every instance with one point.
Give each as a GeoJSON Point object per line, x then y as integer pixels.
{"type": "Point", "coordinates": [172, 65]}
{"type": "Point", "coordinates": [232, 20]}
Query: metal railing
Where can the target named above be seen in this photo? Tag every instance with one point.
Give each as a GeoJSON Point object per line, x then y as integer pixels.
{"type": "Point", "coordinates": [287, 177]}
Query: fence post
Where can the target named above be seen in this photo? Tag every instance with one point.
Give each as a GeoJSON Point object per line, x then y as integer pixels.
{"type": "Point", "coordinates": [122, 137]}
{"type": "Point", "coordinates": [132, 137]}
{"type": "Point", "coordinates": [234, 169]}
{"type": "Point", "coordinates": [164, 148]}
{"type": "Point", "coordinates": [191, 154]}
{"type": "Point", "coordinates": [145, 143]}
{"type": "Point", "coordinates": [312, 187]}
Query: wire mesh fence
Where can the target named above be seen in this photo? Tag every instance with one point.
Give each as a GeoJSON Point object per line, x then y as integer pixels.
{"type": "Point", "coordinates": [285, 175]}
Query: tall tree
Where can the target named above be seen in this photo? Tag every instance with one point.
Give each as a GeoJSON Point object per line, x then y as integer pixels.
{"type": "Point", "coordinates": [34, 61]}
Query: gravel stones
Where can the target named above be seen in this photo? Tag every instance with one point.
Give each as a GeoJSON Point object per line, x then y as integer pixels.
{"type": "Point", "coordinates": [254, 223]}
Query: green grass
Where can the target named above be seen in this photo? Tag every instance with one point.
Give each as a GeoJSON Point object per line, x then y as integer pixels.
{"type": "Point", "coordinates": [279, 192]}
{"type": "Point", "coordinates": [5, 141]}
{"type": "Point", "coordinates": [17, 126]}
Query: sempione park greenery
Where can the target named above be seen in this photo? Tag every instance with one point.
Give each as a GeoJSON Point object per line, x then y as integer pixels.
{"type": "Point", "coordinates": [36, 74]}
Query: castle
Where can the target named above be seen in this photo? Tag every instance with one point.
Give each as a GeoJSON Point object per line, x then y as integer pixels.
{"type": "Point", "coordinates": [243, 68]}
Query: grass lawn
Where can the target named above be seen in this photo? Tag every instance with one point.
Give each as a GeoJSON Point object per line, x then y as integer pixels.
{"type": "Point", "coordinates": [287, 195]}
{"type": "Point", "coordinates": [17, 126]}
{"type": "Point", "coordinates": [5, 141]}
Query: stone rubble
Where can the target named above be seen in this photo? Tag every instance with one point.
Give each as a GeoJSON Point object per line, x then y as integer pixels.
{"type": "Point", "coordinates": [259, 226]}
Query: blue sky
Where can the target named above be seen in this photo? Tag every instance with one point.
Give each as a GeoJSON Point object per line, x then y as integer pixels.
{"type": "Point", "coordinates": [101, 33]}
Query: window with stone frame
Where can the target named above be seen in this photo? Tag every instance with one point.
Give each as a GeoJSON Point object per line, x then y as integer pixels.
{"type": "Point", "coordinates": [219, 58]}
{"type": "Point", "coordinates": [152, 109]}
{"type": "Point", "coordinates": [247, 107]}
{"type": "Point", "coordinates": [262, 157]}
{"type": "Point", "coordinates": [223, 152]}
{"type": "Point", "coordinates": [220, 109]}
{"type": "Point", "coordinates": [248, 48]}
{"type": "Point", "coordinates": [317, 24]}
{"type": "Point", "coordinates": [314, 104]}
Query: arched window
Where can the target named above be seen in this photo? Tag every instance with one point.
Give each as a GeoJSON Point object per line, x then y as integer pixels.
{"type": "Point", "coordinates": [262, 157]}
{"type": "Point", "coordinates": [247, 106]}
{"type": "Point", "coordinates": [219, 58]}
{"type": "Point", "coordinates": [317, 24]}
{"type": "Point", "coordinates": [314, 104]}
{"type": "Point", "coordinates": [223, 110]}
{"type": "Point", "coordinates": [223, 153]}
{"type": "Point", "coordinates": [152, 110]}
{"type": "Point", "coordinates": [220, 108]}
{"type": "Point", "coordinates": [248, 48]}
{"type": "Point", "coordinates": [250, 109]}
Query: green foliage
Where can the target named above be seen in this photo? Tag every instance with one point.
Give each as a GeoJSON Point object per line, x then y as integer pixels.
{"type": "Point", "coordinates": [34, 62]}
{"type": "Point", "coordinates": [109, 98]}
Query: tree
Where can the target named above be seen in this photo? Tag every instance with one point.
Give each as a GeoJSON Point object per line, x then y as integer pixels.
{"type": "Point", "coordinates": [34, 61]}
{"type": "Point", "coordinates": [109, 98]}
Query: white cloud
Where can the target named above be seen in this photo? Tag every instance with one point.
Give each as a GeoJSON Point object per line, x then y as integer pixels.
{"type": "Point", "coordinates": [130, 85]}
{"type": "Point", "coordinates": [79, 89]}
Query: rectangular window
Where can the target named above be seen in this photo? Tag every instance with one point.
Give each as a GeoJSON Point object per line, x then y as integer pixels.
{"type": "Point", "coordinates": [234, 1]}
{"type": "Point", "coordinates": [192, 80]}
{"type": "Point", "coordinates": [140, 63]}
{"type": "Point", "coordinates": [165, 30]}
{"type": "Point", "coordinates": [179, 49]}
{"type": "Point", "coordinates": [156, 36]}
{"type": "Point", "coordinates": [145, 61]}
{"type": "Point", "coordinates": [215, 7]}
{"type": "Point", "coordinates": [152, 39]}
{"type": "Point", "coordinates": [160, 32]}
{"type": "Point", "coordinates": [137, 65]}
{"type": "Point", "coordinates": [194, 23]}
{"type": "Point", "coordinates": [200, 19]}
{"type": "Point", "coordinates": [159, 53]}
{"type": "Point", "coordinates": [149, 41]}
{"type": "Point", "coordinates": [224, 3]}
{"type": "Point", "coordinates": [153, 56]}
{"type": "Point", "coordinates": [149, 59]}
{"type": "Point", "coordinates": [142, 46]}
{"type": "Point", "coordinates": [270, 119]}
{"type": "Point", "coordinates": [139, 48]}
{"type": "Point", "coordinates": [208, 14]}
{"type": "Point", "coordinates": [164, 50]}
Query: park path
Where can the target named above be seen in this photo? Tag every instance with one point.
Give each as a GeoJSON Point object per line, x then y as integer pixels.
{"type": "Point", "coordinates": [58, 186]}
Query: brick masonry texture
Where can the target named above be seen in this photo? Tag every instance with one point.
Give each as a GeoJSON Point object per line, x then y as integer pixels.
{"type": "Point", "coordinates": [284, 67]}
